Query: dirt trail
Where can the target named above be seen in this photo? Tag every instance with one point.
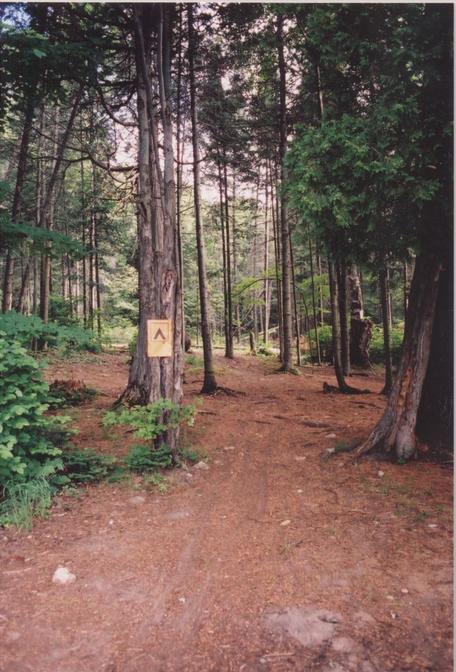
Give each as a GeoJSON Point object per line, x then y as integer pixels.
{"type": "Point", "coordinates": [273, 559]}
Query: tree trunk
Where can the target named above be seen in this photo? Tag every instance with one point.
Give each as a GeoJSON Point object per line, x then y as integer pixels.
{"type": "Point", "coordinates": [360, 328]}
{"type": "Point", "coordinates": [384, 293]}
{"type": "Point", "coordinates": [267, 302]}
{"type": "Point", "coordinates": [210, 383]}
{"type": "Point", "coordinates": [154, 378]}
{"type": "Point", "coordinates": [287, 361]}
{"type": "Point", "coordinates": [336, 334]}
{"type": "Point", "coordinates": [314, 309]}
{"type": "Point", "coordinates": [229, 351]}
{"type": "Point", "coordinates": [179, 171]}
{"type": "Point", "coordinates": [7, 298]}
{"type": "Point", "coordinates": [343, 308]}
{"type": "Point", "coordinates": [278, 259]}
{"type": "Point", "coordinates": [295, 306]}
{"type": "Point", "coordinates": [224, 263]}
{"type": "Point", "coordinates": [395, 433]}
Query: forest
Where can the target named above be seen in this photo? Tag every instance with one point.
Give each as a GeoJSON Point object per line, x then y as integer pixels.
{"type": "Point", "coordinates": [226, 336]}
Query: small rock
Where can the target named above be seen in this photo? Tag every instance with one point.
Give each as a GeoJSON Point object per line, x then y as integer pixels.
{"type": "Point", "coordinates": [137, 500]}
{"type": "Point", "coordinates": [299, 492]}
{"type": "Point", "coordinates": [393, 615]}
{"type": "Point", "coordinates": [404, 590]}
{"type": "Point", "coordinates": [380, 473]}
{"type": "Point", "coordinates": [300, 458]}
{"type": "Point", "coordinates": [331, 436]}
{"type": "Point", "coordinates": [364, 618]}
{"type": "Point", "coordinates": [201, 465]}
{"type": "Point", "coordinates": [432, 525]}
{"type": "Point", "coordinates": [12, 636]}
{"type": "Point", "coordinates": [182, 600]}
{"type": "Point", "coordinates": [229, 448]}
{"type": "Point", "coordinates": [389, 597]}
{"type": "Point", "coordinates": [285, 522]}
{"type": "Point", "coordinates": [63, 577]}
{"type": "Point", "coordinates": [111, 522]}
{"type": "Point", "coordinates": [344, 644]}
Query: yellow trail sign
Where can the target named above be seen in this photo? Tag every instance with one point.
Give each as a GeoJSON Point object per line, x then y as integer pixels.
{"type": "Point", "coordinates": [159, 338]}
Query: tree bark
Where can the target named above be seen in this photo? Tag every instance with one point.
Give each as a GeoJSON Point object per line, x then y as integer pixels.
{"type": "Point", "coordinates": [287, 361]}
{"type": "Point", "coordinates": [384, 294]}
{"type": "Point", "coordinates": [395, 433]}
{"type": "Point", "coordinates": [230, 350]}
{"type": "Point", "coordinates": [210, 383]}
{"type": "Point", "coordinates": [154, 378]}
{"type": "Point", "coordinates": [314, 309]}
{"type": "Point", "coordinates": [7, 298]}
{"type": "Point", "coordinates": [343, 308]}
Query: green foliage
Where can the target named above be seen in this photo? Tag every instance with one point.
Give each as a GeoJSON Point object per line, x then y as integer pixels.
{"type": "Point", "coordinates": [325, 339]}
{"type": "Point", "coordinates": [29, 328]}
{"type": "Point", "coordinates": [83, 466]}
{"type": "Point", "coordinates": [25, 500]}
{"type": "Point", "coordinates": [39, 240]}
{"type": "Point", "coordinates": [29, 441]}
{"type": "Point", "coordinates": [190, 455]}
{"type": "Point", "coordinates": [376, 349]}
{"type": "Point", "coordinates": [144, 458]}
{"type": "Point", "coordinates": [151, 421]}
{"type": "Point", "coordinates": [157, 481]}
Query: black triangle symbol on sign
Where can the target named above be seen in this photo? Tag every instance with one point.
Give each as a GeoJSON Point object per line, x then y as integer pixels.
{"type": "Point", "coordinates": [160, 334]}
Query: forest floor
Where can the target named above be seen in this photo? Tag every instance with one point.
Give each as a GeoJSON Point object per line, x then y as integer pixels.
{"type": "Point", "coordinates": [272, 559]}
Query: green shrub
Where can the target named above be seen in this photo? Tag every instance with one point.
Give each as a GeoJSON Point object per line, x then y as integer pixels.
{"type": "Point", "coordinates": [23, 501]}
{"type": "Point", "coordinates": [376, 350]}
{"type": "Point", "coordinates": [189, 454]}
{"type": "Point", "coordinates": [153, 420]}
{"type": "Point", "coordinates": [29, 441]}
{"type": "Point", "coordinates": [27, 329]}
{"type": "Point", "coordinates": [145, 458]}
{"type": "Point", "coordinates": [157, 481]}
{"type": "Point", "coordinates": [325, 339]}
{"type": "Point", "coordinates": [83, 466]}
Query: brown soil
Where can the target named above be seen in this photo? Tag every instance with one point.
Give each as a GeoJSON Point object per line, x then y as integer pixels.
{"type": "Point", "coordinates": [273, 559]}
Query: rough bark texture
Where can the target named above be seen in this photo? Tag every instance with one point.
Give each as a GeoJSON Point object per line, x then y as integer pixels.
{"type": "Point", "coordinates": [395, 432]}
{"type": "Point", "coordinates": [384, 297]}
{"type": "Point", "coordinates": [435, 413]}
{"type": "Point", "coordinates": [287, 361]}
{"type": "Point", "coordinates": [153, 378]}
{"type": "Point", "coordinates": [210, 383]}
{"type": "Point", "coordinates": [7, 298]}
{"type": "Point", "coordinates": [420, 390]}
{"type": "Point", "coordinates": [343, 309]}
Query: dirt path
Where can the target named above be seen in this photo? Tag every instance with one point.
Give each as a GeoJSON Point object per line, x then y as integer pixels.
{"type": "Point", "coordinates": [273, 559]}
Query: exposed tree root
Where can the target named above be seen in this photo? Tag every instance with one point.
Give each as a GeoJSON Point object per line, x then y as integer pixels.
{"type": "Point", "coordinates": [224, 390]}
{"type": "Point", "coordinates": [347, 389]}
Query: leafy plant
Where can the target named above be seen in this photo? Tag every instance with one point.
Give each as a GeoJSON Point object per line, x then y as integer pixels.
{"type": "Point", "coordinates": [189, 454]}
{"type": "Point", "coordinates": [376, 348]}
{"type": "Point", "coordinates": [29, 441]}
{"type": "Point", "coordinates": [151, 421]}
{"type": "Point", "coordinates": [23, 501]}
{"type": "Point", "coordinates": [83, 466]}
{"type": "Point", "coordinates": [27, 329]}
{"type": "Point", "coordinates": [144, 458]}
{"type": "Point", "coordinates": [158, 481]}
